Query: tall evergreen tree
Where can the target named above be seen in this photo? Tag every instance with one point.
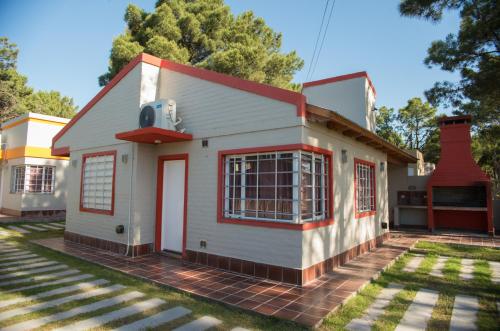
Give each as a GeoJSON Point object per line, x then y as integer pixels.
{"type": "Point", "coordinates": [205, 34]}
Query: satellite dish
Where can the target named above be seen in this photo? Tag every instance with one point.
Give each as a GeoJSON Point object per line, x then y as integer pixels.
{"type": "Point", "coordinates": [147, 117]}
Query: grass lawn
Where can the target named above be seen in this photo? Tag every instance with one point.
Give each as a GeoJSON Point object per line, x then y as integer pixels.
{"type": "Point", "coordinates": [231, 317]}
{"type": "Point", "coordinates": [462, 251]}
{"type": "Point", "coordinates": [448, 287]}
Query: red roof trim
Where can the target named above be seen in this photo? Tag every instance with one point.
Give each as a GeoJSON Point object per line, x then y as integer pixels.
{"type": "Point", "coordinates": [269, 91]}
{"type": "Point", "coordinates": [335, 79]}
{"type": "Point", "coordinates": [272, 92]}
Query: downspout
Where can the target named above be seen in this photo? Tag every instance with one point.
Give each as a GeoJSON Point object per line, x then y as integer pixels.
{"type": "Point", "coordinates": [130, 201]}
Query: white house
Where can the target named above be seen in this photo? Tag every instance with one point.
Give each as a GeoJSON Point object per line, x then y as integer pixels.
{"type": "Point", "coordinates": [32, 180]}
{"type": "Point", "coordinates": [255, 179]}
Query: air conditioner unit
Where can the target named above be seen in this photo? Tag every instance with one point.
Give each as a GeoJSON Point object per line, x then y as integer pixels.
{"type": "Point", "coordinates": [160, 114]}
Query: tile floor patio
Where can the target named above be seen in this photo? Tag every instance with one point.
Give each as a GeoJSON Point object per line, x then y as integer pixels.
{"type": "Point", "coordinates": [306, 305]}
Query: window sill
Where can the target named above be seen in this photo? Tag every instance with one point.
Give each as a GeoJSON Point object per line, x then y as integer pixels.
{"type": "Point", "coordinates": [366, 214]}
{"type": "Point", "coordinates": [97, 211]}
{"type": "Point", "coordinates": [278, 225]}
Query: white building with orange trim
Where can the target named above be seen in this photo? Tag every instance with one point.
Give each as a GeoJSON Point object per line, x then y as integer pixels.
{"type": "Point", "coordinates": [32, 180]}
{"type": "Point", "coordinates": [255, 179]}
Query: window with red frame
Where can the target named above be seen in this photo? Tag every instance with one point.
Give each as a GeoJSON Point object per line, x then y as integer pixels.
{"type": "Point", "coordinates": [288, 186]}
{"type": "Point", "coordinates": [365, 187]}
{"type": "Point", "coordinates": [97, 182]}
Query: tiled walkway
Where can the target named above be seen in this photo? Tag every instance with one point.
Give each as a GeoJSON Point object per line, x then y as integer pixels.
{"type": "Point", "coordinates": [307, 305]}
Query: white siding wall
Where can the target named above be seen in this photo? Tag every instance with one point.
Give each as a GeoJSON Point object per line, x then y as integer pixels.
{"type": "Point", "coordinates": [347, 231]}
{"type": "Point", "coordinates": [15, 136]}
{"type": "Point", "coordinates": [40, 134]}
{"type": "Point", "coordinates": [352, 98]}
{"type": "Point", "coordinates": [210, 109]}
{"type": "Point", "coordinates": [97, 225]}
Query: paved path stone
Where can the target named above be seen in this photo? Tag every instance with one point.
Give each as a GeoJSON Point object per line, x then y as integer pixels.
{"type": "Point", "coordinates": [59, 225]}
{"type": "Point", "coordinates": [18, 229]}
{"type": "Point", "coordinates": [29, 266]}
{"type": "Point", "coordinates": [419, 312]}
{"type": "Point", "coordinates": [47, 277]}
{"type": "Point", "coordinates": [414, 263]}
{"type": "Point", "coordinates": [464, 315]}
{"type": "Point", "coordinates": [97, 321]}
{"type": "Point", "coordinates": [9, 250]}
{"type": "Point", "coordinates": [49, 226]}
{"type": "Point", "coordinates": [37, 323]}
{"type": "Point", "coordinates": [155, 320]}
{"type": "Point", "coordinates": [437, 269]}
{"type": "Point", "coordinates": [239, 328]}
{"type": "Point", "coordinates": [495, 271]}
{"type": "Point", "coordinates": [18, 257]}
{"type": "Point", "coordinates": [61, 290]}
{"type": "Point", "coordinates": [467, 269]}
{"type": "Point", "coordinates": [27, 261]}
{"type": "Point", "coordinates": [53, 303]}
{"type": "Point", "coordinates": [33, 271]}
{"type": "Point", "coordinates": [202, 323]}
{"type": "Point", "coordinates": [33, 227]}
{"type": "Point", "coordinates": [376, 309]}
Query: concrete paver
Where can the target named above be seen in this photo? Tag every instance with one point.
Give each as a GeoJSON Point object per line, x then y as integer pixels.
{"type": "Point", "coordinates": [99, 320]}
{"type": "Point", "coordinates": [53, 303]}
{"type": "Point", "coordinates": [36, 279]}
{"type": "Point", "coordinates": [37, 323]}
{"type": "Point", "coordinates": [201, 324]}
{"type": "Point", "coordinates": [464, 315]}
{"type": "Point", "coordinates": [155, 320]}
{"type": "Point", "coordinates": [419, 313]}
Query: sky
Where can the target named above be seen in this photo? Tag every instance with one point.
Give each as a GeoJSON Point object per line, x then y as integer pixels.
{"type": "Point", "coordinates": [64, 44]}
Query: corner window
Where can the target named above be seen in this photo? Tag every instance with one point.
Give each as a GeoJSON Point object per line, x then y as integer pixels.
{"type": "Point", "coordinates": [365, 191]}
{"type": "Point", "coordinates": [33, 179]}
{"type": "Point", "coordinates": [98, 176]}
{"type": "Point", "coordinates": [288, 186]}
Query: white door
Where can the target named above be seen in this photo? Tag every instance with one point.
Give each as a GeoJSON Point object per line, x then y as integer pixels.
{"type": "Point", "coordinates": [173, 205]}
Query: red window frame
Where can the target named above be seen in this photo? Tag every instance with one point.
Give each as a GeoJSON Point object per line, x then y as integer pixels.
{"type": "Point", "coordinates": [373, 181]}
{"type": "Point", "coordinates": [269, 224]}
{"type": "Point", "coordinates": [93, 210]}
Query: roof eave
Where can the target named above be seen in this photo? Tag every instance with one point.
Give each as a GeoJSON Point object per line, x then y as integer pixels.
{"type": "Point", "coordinates": [339, 123]}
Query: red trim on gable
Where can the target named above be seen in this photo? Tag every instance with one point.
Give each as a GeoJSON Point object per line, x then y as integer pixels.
{"type": "Point", "coordinates": [131, 65]}
{"type": "Point", "coordinates": [268, 91]}
{"type": "Point", "coordinates": [374, 183]}
{"type": "Point", "coordinates": [274, 224]}
{"type": "Point", "coordinates": [99, 211]}
{"type": "Point", "coordinates": [335, 79]}
{"type": "Point", "coordinates": [271, 92]}
{"type": "Point", "coordinates": [61, 151]}
{"type": "Point", "coordinates": [159, 198]}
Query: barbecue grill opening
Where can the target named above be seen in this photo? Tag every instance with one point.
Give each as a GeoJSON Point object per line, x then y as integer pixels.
{"type": "Point", "coordinates": [470, 196]}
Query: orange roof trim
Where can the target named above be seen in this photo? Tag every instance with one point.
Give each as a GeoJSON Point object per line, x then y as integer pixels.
{"type": "Point", "coordinates": [335, 79]}
{"type": "Point", "coordinates": [272, 92]}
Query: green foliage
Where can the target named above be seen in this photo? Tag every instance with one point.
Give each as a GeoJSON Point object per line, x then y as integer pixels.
{"type": "Point", "coordinates": [386, 126]}
{"type": "Point", "coordinates": [418, 119]}
{"type": "Point", "coordinates": [16, 98]}
{"type": "Point", "coordinates": [412, 127]}
{"type": "Point", "coordinates": [50, 103]}
{"type": "Point", "coordinates": [205, 34]}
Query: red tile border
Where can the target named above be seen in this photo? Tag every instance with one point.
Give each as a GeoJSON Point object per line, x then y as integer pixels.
{"type": "Point", "coordinates": [108, 245]}
{"type": "Point", "coordinates": [284, 274]}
